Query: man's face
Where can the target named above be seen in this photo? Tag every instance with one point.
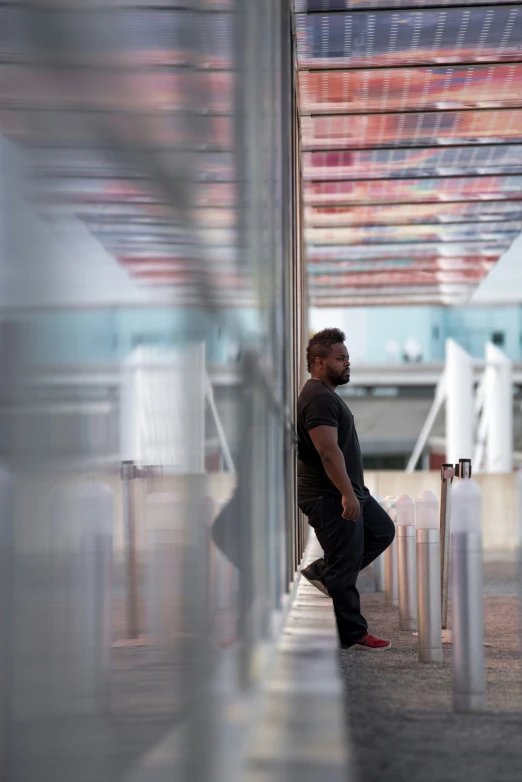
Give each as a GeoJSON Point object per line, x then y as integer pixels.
{"type": "Point", "coordinates": [338, 365]}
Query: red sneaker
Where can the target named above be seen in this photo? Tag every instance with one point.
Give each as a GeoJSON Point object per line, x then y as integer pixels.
{"type": "Point", "coordinates": [372, 644]}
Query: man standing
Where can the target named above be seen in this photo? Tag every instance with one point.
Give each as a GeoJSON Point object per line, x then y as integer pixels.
{"type": "Point", "coordinates": [350, 525]}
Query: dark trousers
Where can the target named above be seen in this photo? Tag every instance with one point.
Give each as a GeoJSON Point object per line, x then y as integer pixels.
{"type": "Point", "coordinates": [349, 547]}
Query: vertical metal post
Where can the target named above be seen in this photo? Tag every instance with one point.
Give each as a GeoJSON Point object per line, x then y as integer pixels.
{"type": "Point", "coordinates": [391, 574]}
{"type": "Point", "coordinates": [128, 474]}
{"type": "Point", "coordinates": [406, 556]}
{"type": "Point", "coordinates": [447, 473]}
{"type": "Point", "coordinates": [428, 595]}
{"type": "Point", "coordinates": [469, 678]}
{"type": "Point", "coordinates": [378, 573]}
{"type": "Point", "coordinates": [428, 578]}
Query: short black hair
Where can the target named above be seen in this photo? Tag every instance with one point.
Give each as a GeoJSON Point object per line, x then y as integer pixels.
{"type": "Point", "coordinates": [321, 343]}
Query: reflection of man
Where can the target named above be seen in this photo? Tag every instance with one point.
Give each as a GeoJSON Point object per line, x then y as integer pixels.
{"type": "Point", "coordinates": [350, 525]}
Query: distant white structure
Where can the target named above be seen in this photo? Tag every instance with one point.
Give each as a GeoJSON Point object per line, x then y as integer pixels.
{"type": "Point", "coordinates": [393, 351]}
{"type": "Point", "coordinates": [494, 450]}
{"type": "Point", "coordinates": [163, 397]}
{"type": "Point", "coordinates": [490, 444]}
{"type": "Point", "coordinates": [500, 427]}
{"type": "Point", "coordinates": [459, 403]}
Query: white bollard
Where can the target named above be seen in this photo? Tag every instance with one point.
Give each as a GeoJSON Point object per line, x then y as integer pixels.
{"type": "Point", "coordinates": [407, 562]}
{"type": "Point", "coordinates": [469, 677]}
{"type": "Point", "coordinates": [391, 574]}
{"type": "Point", "coordinates": [428, 578]}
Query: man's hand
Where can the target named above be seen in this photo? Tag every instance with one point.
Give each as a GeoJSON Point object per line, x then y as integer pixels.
{"type": "Point", "coordinates": [351, 507]}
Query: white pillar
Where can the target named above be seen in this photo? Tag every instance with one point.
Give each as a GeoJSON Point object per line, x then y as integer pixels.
{"type": "Point", "coordinates": [499, 452]}
{"type": "Point", "coordinates": [459, 403]}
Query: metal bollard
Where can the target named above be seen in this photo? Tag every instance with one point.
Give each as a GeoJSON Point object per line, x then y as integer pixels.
{"type": "Point", "coordinates": [447, 474]}
{"type": "Point", "coordinates": [378, 564]}
{"type": "Point", "coordinates": [128, 474]}
{"type": "Point", "coordinates": [407, 563]}
{"type": "Point", "coordinates": [428, 578]}
{"type": "Point", "coordinates": [469, 677]}
{"type": "Point", "coordinates": [70, 673]}
{"type": "Point", "coordinates": [391, 575]}
{"type": "Point", "coordinates": [378, 573]}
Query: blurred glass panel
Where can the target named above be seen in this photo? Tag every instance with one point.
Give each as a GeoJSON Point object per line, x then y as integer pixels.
{"type": "Point", "coordinates": [151, 275]}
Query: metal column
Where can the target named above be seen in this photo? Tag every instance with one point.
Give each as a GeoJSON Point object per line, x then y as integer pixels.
{"type": "Point", "coordinates": [428, 578]}
{"type": "Point", "coordinates": [447, 473]}
{"type": "Point", "coordinates": [469, 677]}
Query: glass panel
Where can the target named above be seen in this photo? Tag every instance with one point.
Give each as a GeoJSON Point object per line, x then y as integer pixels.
{"type": "Point", "coordinates": [413, 162]}
{"type": "Point", "coordinates": [400, 89]}
{"type": "Point", "coordinates": [125, 36]}
{"type": "Point", "coordinates": [406, 190]}
{"type": "Point", "coordinates": [146, 90]}
{"type": "Point", "coordinates": [408, 37]}
{"type": "Point", "coordinates": [136, 252]}
{"type": "Point", "coordinates": [413, 213]}
{"type": "Point", "coordinates": [69, 127]}
{"type": "Point", "coordinates": [99, 163]}
{"type": "Point", "coordinates": [398, 130]}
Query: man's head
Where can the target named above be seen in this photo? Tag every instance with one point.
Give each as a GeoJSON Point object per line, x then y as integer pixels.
{"type": "Point", "coordinates": [327, 358]}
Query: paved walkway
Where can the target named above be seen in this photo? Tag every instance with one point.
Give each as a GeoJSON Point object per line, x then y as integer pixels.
{"type": "Point", "coordinates": [401, 722]}
{"type": "Point", "coordinates": [301, 737]}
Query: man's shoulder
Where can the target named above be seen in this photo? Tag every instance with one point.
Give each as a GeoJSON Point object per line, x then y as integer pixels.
{"type": "Point", "coordinates": [314, 390]}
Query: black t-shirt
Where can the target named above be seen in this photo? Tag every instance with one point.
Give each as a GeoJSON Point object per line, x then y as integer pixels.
{"type": "Point", "coordinates": [319, 406]}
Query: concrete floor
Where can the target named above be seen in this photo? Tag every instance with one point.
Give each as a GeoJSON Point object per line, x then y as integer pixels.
{"type": "Point", "coordinates": [401, 723]}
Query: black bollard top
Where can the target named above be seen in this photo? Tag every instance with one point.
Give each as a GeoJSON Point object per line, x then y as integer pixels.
{"type": "Point", "coordinates": [447, 471]}
{"type": "Point", "coordinates": [465, 468]}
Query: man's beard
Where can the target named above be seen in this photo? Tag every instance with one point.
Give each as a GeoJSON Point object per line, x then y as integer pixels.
{"type": "Point", "coordinates": [339, 379]}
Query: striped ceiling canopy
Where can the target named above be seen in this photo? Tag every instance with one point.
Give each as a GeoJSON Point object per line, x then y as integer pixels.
{"type": "Point", "coordinates": [411, 116]}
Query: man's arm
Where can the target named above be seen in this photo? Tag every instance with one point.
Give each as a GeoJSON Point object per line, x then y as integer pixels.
{"type": "Point", "coordinates": [324, 439]}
